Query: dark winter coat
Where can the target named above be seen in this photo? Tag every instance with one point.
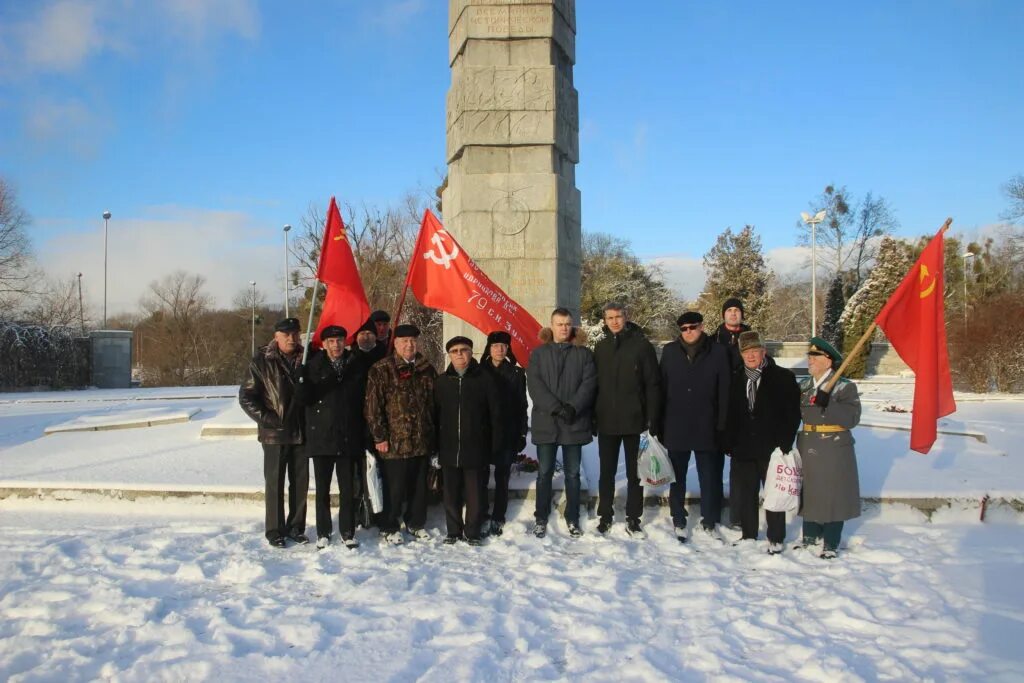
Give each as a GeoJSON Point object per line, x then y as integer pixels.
{"type": "Point", "coordinates": [774, 420]}
{"type": "Point", "coordinates": [561, 373]}
{"type": "Point", "coordinates": [731, 341]}
{"type": "Point", "coordinates": [335, 425]}
{"type": "Point", "coordinates": [628, 382]}
{"type": "Point", "coordinates": [696, 396]}
{"type": "Point", "coordinates": [268, 396]}
{"type": "Point", "coordinates": [400, 406]}
{"type": "Point", "coordinates": [510, 381]}
{"type": "Point", "coordinates": [467, 416]}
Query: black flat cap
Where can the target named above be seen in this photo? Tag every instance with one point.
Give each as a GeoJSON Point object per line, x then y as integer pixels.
{"type": "Point", "coordinates": [689, 318]}
{"type": "Point", "coordinates": [380, 317]}
{"type": "Point", "coordinates": [333, 331]}
{"type": "Point", "coordinates": [287, 325]}
{"type": "Point", "coordinates": [406, 331]}
{"type": "Point", "coordinates": [455, 341]}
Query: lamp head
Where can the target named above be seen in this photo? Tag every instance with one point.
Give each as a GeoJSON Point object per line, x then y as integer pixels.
{"type": "Point", "coordinates": [106, 215]}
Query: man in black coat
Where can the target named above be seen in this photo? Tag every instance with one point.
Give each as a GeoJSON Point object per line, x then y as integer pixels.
{"type": "Point", "coordinates": [695, 385]}
{"type": "Point", "coordinates": [466, 415]}
{"type": "Point", "coordinates": [764, 414]}
{"type": "Point", "coordinates": [500, 363]}
{"type": "Point", "coordinates": [268, 396]}
{"type": "Point", "coordinates": [728, 333]}
{"type": "Point", "coordinates": [562, 382]}
{"type": "Point", "coordinates": [628, 395]}
{"type": "Point", "coordinates": [334, 390]}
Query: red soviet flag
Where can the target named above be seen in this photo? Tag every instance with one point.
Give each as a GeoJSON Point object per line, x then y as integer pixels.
{"type": "Point", "coordinates": [914, 321]}
{"type": "Point", "coordinates": [346, 303]}
{"type": "Point", "coordinates": [443, 276]}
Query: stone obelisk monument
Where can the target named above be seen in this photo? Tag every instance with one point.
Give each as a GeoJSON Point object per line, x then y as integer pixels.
{"type": "Point", "coordinates": [513, 145]}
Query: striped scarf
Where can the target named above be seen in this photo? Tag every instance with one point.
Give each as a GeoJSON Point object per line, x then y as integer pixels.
{"type": "Point", "coordinates": [753, 377]}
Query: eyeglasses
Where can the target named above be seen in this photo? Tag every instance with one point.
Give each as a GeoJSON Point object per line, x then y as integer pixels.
{"type": "Point", "coordinates": [689, 328]}
{"type": "Point", "coordinates": [816, 353]}
{"type": "Point", "coordinates": [460, 350]}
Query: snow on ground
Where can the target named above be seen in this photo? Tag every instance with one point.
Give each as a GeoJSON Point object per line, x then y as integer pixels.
{"type": "Point", "coordinates": [102, 589]}
{"type": "Point", "coordinates": [173, 592]}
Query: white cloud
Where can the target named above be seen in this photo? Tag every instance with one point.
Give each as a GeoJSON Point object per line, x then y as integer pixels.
{"type": "Point", "coordinates": [228, 248]}
{"type": "Point", "coordinates": [683, 274]}
{"type": "Point", "coordinates": [62, 36]}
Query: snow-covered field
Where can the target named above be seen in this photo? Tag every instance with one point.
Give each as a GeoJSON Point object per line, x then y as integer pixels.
{"type": "Point", "coordinates": [95, 588]}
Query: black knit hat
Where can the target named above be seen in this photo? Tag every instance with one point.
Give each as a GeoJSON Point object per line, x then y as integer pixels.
{"type": "Point", "coordinates": [380, 317]}
{"type": "Point", "coordinates": [287, 325]}
{"type": "Point", "coordinates": [733, 303]}
{"type": "Point", "coordinates": [689, 318]}
{"type": "Point", "coordinates": [333, 331]}
{"type": "Point", "coordinates": [368, 326]}
{"type": "Point", "coordinates": [406, 331]}
{"type": "Point", "coordinates": [456, 341]}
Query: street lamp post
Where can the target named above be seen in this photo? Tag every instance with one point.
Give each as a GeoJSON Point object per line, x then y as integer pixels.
{"type": "Point", "coordinates": [106, 224]}
{"type": "Point", "coordinates": [813, 222]}
{"type": "Point", "coordinates": [81, 309]}
{"type": "Point", "coordinates": [286, 229]}
{"type": "Point", "coordinates": [253, 283]}
{"type": "Point", "coordinates": [966, 255]}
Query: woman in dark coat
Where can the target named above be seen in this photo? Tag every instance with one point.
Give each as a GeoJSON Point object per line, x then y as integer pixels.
{"type": "Point", "coordinates": [509, 378]}
{"type": "Point", "coordinates": [831, 492]}
{"type": "Point", "coordinates": [333, 390]}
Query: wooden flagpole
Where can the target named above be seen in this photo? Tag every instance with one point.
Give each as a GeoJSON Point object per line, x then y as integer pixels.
{"type": "Point", "coordinates": [830, 384]}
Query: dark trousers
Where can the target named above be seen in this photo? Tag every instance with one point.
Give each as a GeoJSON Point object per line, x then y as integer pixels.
{"type": "Point", "coordinates": [323, 472]}
{"type": "Point", "coordinates": [829, 532]}
{"type": "Point", "coordinates": [462, 487]}
{"type": "Point", "coordinates": [502, 474]}
{"type": "Point", "coordinates": [608, 446]}
{"type": "Point", "coordinates": [709, 477]}
{"type": "Point", "coordinates": [745, 480]}
{"type": "Point", "coordinates": [571, 456]}
{"type": "Point", "coordinates": [405, 487]}
{"type": "Point", "coordinates": [279, 462]}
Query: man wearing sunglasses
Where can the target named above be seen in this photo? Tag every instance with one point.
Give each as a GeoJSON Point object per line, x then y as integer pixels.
{"type": "Point", "coordinates": [695, 383]}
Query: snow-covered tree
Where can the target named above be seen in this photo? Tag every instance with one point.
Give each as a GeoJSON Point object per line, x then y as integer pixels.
{"type": "Point", "coordinates": [735, 267]}
{"type": "Point", "coordinates": [611, 272]}
{"type": "Point", "coordinates": [891, 267]}
{"type": "Point", "coordinates": [831, 330]}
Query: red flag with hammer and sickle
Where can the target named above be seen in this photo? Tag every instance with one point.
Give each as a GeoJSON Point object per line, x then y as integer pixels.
{"type": "Point", "coordinates": [346, 303]}
{"type": "Point", "coordinates": [443, 276]}
{"type": "Point", "coordinates": [914, 321]}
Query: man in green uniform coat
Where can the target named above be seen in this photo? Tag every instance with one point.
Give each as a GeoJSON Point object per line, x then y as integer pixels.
{"type": "Point", "coordinates": [831, 491]}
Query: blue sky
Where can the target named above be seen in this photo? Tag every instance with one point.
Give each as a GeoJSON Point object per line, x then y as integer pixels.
{"type": "Point", "coordinates": [206, 126]}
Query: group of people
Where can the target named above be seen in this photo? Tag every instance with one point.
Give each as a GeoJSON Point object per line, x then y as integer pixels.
{"type": "Point", "coordinates": [710, 395]}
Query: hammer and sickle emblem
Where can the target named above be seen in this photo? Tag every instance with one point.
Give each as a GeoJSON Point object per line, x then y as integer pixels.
{"type": "Point", "coordinates": [341, 234]}
{"type": "Point", "coordinates": [922, 275]}
{"type": "Point", "coordinates": [446, 257]}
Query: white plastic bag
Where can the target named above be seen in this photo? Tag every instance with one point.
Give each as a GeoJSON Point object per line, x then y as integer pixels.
{"type": "Point", "coordinates": [374, 485]}
{"type": "Point", "coordinates": [783, 482]}
{"type": "Point", "coordinates": [653, 467]}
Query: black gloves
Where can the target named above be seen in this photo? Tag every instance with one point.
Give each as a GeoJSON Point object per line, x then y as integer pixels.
{"type": "Point", "coordinates": [566, 412]}
{"type": "Point", "coordinates": [656, 430]}
{"type": "Point", "coordinates": [521, 444]}
{"type": "Point", "coordinates": [822, 398]}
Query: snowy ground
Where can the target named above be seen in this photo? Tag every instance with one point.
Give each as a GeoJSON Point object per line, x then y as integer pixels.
{"type": "Point", "coordinates": [100, 589]}
{"type": "Point", "coordinates": [112, 591]}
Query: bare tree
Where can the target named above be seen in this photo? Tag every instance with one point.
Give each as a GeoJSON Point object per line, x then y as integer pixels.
{"type": "Point", "coordinates": [874, 220]}
{"type": "Point", "coordinates": [15, 247]}
{"type": "Point", "coordinates": [1014, 190]}
{"type": "Point", "coordinates": [177, 346]}
{"type": "Point", "coordinates": [56, 304]}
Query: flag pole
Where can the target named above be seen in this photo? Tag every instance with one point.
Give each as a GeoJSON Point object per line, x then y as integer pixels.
{"type": "Point", "coordinates": [312, 307]}
{"type": "Point", "coordinates": [867, 335]}
{"type": "Point", "coordinates": [408, 277]}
